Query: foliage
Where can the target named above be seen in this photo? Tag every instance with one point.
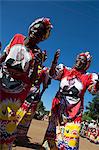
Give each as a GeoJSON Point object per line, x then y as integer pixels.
{"type": "Point", "coordinates": [92, 109]}
{"type": "Point", "coordinates": [86, 116]}
{"type": "Point", "coordinates": [40, 111]}
{"type": "Point", "coordinates": [41, 107]}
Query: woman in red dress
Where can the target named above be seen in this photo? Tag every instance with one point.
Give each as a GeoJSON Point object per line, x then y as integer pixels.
{"type": "Point", "coordinates": [67, 106]}
{"type": "Point", "coordinates": [18, 71]}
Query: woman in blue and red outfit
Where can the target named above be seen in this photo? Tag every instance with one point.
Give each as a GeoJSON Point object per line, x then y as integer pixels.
{"type": "Point", "coordinates": [18, 71]}
{"type": "Point", "coordinates": [67, 106]}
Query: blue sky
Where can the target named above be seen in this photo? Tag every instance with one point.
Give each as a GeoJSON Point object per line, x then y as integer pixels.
{"type": "Point", "coordinates": [75, 29]}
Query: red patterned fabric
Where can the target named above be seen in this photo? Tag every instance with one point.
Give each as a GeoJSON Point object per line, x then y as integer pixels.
{"type": "Point", "coordinates": [14, 86]}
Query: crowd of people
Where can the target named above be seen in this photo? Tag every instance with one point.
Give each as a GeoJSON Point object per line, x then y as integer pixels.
{"type": "Point", "coordinates": [21, 74]}
{"type": "Point", "coordinates": [90, 130]}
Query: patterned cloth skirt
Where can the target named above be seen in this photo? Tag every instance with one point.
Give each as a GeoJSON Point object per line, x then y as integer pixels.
{"type": "Point", "coordinates": [23, 127]}
{"type": "Point", "coordinates": [8, 121]}
{"type": "Point", "coordinates": [62, 133]}
{"type": "Point", "coordinates": [12, 95]}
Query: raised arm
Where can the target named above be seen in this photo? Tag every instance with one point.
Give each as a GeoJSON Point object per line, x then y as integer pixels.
{"type": "Point", "coordinates": [54, 63]}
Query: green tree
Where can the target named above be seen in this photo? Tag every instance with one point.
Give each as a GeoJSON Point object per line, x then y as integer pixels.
{"type": "Point", "coordinates": [92, 109]}
{"type": "Point", "coordinates": [41, 107]}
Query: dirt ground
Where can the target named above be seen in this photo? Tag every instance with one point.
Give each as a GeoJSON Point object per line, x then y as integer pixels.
{"type": "Point", "coordinates": [36, 135]}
